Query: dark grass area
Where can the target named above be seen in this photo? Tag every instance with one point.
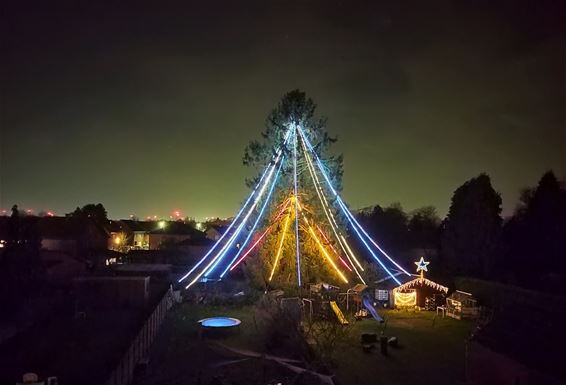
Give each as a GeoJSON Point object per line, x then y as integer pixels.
{"type": "Point", "coordinates": [431, 350]}
{"type": "Point", "coordinates": [180, 356]}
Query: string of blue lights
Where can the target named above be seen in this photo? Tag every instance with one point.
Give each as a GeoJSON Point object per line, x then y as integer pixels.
{"type": "Point", "coordinates": [259, 187]}
{"type": "Point", "coordinates": [353, 222]}
{"type": "Point", "coordinates": [258, 219]}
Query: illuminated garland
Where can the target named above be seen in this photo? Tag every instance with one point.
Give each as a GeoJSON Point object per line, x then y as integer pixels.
{"type": "Point", "coordinates": [405, 299]}
{"type": "Point", "coordinates": [420, 281]}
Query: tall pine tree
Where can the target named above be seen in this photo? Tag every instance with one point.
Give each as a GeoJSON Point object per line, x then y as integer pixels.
{"type": "Point", "coordinates": [471, 228]}
{"type": "Point", "coordinates": [294, 108]}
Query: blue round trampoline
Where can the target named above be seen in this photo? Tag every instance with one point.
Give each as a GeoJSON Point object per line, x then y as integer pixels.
{"type": "Point", "coordinates": [219, 323]}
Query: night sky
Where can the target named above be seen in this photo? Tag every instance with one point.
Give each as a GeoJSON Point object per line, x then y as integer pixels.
{"type": "Point", "coordinates": [149, 110]}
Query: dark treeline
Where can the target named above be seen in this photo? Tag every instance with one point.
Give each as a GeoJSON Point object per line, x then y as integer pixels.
{"type": "Point", "coordinates": [527, 249]}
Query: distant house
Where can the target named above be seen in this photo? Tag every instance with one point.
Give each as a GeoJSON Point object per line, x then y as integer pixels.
{"type": "Point", "coordinates": [68, 235]}
{"type": "Point", "coordinates": [172, 233]}
{"type": "Point", "coordinates": [117, 230]}
{"type": "Point", "coordinates": [126, 235]}
{"type": "Point", "coordinates": [129, 234]}
{"type": "Point", "coordinates": [68, 246]}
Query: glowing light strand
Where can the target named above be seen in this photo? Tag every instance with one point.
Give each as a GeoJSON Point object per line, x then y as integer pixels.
{"type": "Point", "coordinates": [332, 248]}
{"type": "Point", "coordinates": [219, 241]}
{"type": "Point", "coordinates": [227, 246]}
{"type": "Point", "coordinates": [349, 216]}
{"type": "Point", "coordinates": [222, 252]}
{"type": "Point", "coordinates": [280, 248]}
{"type": "Point", "coordinates": [325, 253]}
{"type": "Point", "coordinates": [330, 216]}
{"type": "Point", "coordinates": [297, 246]}
{"type": "Point", "coordinates": [320, 245]}
{"type": "Point", "coordinates": [260, 215]}
{"type": "Point", "coordinates": [262, 235]}
{"type": "Point", "coordinates": [320, 193]}
{"type": "Point", "coordinates": [250, 249]}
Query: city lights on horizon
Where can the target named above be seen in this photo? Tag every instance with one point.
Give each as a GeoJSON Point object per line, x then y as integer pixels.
{"type": "Point", "coordinates": [175, 215]}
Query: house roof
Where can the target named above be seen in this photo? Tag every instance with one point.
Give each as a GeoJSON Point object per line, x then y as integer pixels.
{"type": "Point", "coordinates": [461, 296]}
{"type": "Point", "coordinates": [64, 227]}
{"type": "Point", "coordinates": [56, 227]}
{"type": "Point", "coordinates": [113, 226]}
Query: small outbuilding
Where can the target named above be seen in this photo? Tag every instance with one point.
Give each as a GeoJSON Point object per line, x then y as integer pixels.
{"type": "Point", "coordinates": [461, 305]}
{"type": "Point", "coordinates": [420, 291]}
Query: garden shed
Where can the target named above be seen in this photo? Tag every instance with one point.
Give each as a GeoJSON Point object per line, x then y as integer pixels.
{"type": "Point", "coordinates": [461, 305]}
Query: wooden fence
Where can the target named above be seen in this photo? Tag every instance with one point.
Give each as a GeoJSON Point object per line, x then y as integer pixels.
{"type": "Point", "coordinates": [139, 348]}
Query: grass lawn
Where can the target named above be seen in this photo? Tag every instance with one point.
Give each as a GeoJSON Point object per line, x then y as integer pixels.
{"type": "Point", "coordinates": [431, 351]}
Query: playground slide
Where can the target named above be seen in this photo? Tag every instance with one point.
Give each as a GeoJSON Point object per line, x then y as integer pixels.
{"type": "Point", "coordinates": [368, 305]}
{"type": "Point", "coordinates": [338, 313]}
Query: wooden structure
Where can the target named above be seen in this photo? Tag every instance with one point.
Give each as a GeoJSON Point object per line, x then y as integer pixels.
{"type": "Point", "coordinates": [461, 305]}
{"type": "Point", "coordinates": [415, 292]}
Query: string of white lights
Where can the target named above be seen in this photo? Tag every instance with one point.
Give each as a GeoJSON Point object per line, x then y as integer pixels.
{"type": "Point", "coordinates": [354, 224]}
{"type": "Point", "coordinates": [347, 250]}
{"type": "Point", "coordinates": [251, 232]}
{"type": "Point", "coordinates": [212, 264]}
{"type": "Point", "coordinates": [327, 211]}
{"type": "Point", "coordinates": [297, 246]}
{"type": "Point", "coordinates": [261, 182]}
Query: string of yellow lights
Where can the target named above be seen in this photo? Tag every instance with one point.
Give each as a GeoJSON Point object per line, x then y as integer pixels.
{"type": "Point", "coordinates": [280, 248]}
{"type": "Point", "coordinates": [325, 253]}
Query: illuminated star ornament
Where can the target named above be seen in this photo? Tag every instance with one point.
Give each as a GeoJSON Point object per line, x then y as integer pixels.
{"type": "Point", "coordinates": [422, 265]}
